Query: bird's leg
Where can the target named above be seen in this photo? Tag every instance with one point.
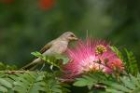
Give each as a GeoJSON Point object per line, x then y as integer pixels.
{"type": "Point", "coordinates": [34, 67]}
{"type": "Point", "coordinates": [51, 67]}
{"type": "Point", "coordinates": [42, 66]}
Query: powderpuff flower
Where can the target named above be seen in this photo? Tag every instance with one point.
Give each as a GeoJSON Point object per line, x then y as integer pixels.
{"type": "Point", "coordinates": [91, 55]}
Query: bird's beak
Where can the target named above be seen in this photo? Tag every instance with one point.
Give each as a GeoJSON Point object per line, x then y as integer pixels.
{"type": "Point", "coordinates": [75, 38]}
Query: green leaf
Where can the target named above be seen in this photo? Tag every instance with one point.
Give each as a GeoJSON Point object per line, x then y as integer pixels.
{"type": "Point", "coordinates": [31, 82]}
{"type": "Point", "coordinates": [5, 83]}
{"type": "Point", "coordinates": [131, 62]}
{"type": "Point", "coordinates": [120, 87]}
{"type": "Point", "coordinates": [113, 91]}
{"type": "Point", "coordinates": [134, 81]}
{"type": "Point", "coordinates": [37, 54]}
{"type": "Point", "coordinates": [63, 57]}
{"type": "Point", "coordinates": [89, 80]}
{"type": "Point", "coordinates": [127, 82]}
{"type": "Point", "coordinates": [81, 82]}
{"type": "Point", "coordinates": [116, 50]}
{"type": "Point", "coordinates": [3, 89]}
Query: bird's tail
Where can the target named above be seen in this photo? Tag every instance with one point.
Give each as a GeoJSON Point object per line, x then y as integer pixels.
{"type": "Point", "coordinates": [33, 64]}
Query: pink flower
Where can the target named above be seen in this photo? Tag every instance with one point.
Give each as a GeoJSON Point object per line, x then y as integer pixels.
{"type": "Point", "coordinates": [91, 55]}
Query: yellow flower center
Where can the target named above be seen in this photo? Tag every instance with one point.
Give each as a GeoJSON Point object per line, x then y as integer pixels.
{"type": "Point", "coordinates": [100, 49]}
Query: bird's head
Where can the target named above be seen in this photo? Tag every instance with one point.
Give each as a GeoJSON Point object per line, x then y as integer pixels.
{"type": "Point", "coordinates": [69, 36]}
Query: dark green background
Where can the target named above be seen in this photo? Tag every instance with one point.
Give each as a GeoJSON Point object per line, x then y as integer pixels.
{"type": "Point", "coordinates": [25, 28]}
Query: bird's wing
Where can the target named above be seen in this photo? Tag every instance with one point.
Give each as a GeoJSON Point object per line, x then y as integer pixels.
{"type": "Point", "coordinates": [46, 47]}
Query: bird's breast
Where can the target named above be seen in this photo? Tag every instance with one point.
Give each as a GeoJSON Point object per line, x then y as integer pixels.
{"type": "Point", "coordinates": [60, 47]}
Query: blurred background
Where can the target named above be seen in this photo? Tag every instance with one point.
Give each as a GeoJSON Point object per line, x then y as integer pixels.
{"type": "Point", "coordinates": [26, 25]}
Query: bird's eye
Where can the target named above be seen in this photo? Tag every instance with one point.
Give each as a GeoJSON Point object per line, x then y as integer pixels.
{"type": "Point", "coordinates": [72, 35]}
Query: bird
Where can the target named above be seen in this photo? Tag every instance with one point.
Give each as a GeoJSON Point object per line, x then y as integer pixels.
{"type": "Point", "coordinates": [56, 46]}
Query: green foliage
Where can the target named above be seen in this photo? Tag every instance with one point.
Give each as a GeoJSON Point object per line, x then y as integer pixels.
{"type": "Point", "coordinates": [108, 84]}
{"type": "Point", "coordinates": [128, 58]}
{"type": "Point", "coordinates": [90, 79]}
{"type": "Point", "coordinates": [52, 85]}
{"type": "Point", "coordinates": [117, 51]}
{"type": "Point", "coordinates": [55, 60]}
{"type": "Point", "coordinates": [131, 63]}
{"type": "Point", "coordinates": [30, 82]}
{"type": "Point", "coordinates": [5, 86]}
{"type": "Point", "coordinates": [6, 67]}
{"type": "Point", "coordinates": [127, 84]}
{"type": "Point", "coordinates": [95, 82]}
{"type": "Point", "coordinates": [114, 83]}
{"type": "Point", "coordinates": [20, 81]}
{"type": "Point", "coordinates": [24, 27]}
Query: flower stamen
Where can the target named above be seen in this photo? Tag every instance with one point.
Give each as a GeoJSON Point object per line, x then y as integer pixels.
{"type": "Point", "coordinates": [100, 49]}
